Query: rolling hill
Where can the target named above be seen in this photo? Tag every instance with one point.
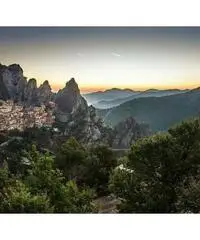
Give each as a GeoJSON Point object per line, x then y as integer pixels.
{"type": "Point", "coordinates": [103, 104]}
{"type": "Point", "coordinates": [159, 112]}
{"type": "Point", "coordinates": [108, 95]}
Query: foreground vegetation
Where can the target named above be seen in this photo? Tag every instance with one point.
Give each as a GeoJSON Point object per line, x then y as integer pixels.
{"type": "Point", "coordinates": [41, 182]}
{"type": "Point", "coordinates": [160, 174]}
{"type": "Point", "coordinates": [165, 176]}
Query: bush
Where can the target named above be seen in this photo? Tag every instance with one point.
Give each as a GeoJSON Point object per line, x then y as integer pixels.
{"type": "Point", "coordinates": [98, 166]}
{"type": "Point", "coordinates": [42, 188]}
{"type": "Point", "coordinates": [162, 167]}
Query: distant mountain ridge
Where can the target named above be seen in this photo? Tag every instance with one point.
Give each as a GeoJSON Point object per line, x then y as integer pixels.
{"type": "Point", "coordinates": [109, 94]}
{"type": "Point", "coordinates": [159, 112]}
{"type": "Point", "coordinates": [100, 100]}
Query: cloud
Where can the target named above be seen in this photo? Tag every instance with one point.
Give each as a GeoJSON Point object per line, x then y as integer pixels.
{"type": "Point", "coordinates": [116, 54]}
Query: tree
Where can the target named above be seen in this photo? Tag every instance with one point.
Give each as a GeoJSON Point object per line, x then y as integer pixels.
{"type": "Point", "coordinates": [4, 175]}
{"type": "Point", "coordinates": [44, 178]}
{"type": "Point", "coordinates": [90, 167]}
{"type": "Point", "coordinates": [189, 197]}
{"type": "Point", "coordinates": [15, 196]}
{"type": "Point", "coordinates": [162, 167]}
{"type": "Point", "coordinates": [12, 152]}
{"type": "Point", "coordinates": [98, 166]}
{"type": "Point", "coordinates": [70, 158]}
{"type": "Point", "coordinates": [78, 200]}
{"type": "Point", "coordinates": [42, 188]}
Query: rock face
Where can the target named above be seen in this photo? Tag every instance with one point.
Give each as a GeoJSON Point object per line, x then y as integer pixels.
{"type": "Point", "coordinates": [44, 93]}
{"type": "Point", "coordinates": [4, 95]}
{"type": "Point", "coordinates": [14, 86]}
{"type": "Point", "coordinates": [69, 98]}
{"type": "Point", "coordinates": [30, 93]}
{"type": "Point", "coordinates": [12, 82]}
{"type": "Point", "coordinates": [127, 132]}
{"type": "Point", "coordinates": [77, 119]}
{"type": "Point", "coordinates": [73, 115]}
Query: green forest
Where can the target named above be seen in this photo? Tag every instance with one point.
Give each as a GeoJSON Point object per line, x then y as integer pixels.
{"type": "Point", "coordinates": [159, 174]}
{"type": "Point", "coordinates": [160, 113]}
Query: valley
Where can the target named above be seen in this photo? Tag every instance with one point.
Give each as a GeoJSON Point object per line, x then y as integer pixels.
{"type": "Point", "coordinates": [160, 113]}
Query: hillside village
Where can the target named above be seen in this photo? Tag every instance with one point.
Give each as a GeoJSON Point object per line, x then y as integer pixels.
{"type": "Point", "coordinates": [25, 105]}
{"type": "Point", "coordinates": [16, 116]}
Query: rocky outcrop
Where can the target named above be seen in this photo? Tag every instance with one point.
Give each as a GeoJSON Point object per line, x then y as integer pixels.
{"type": "Point", "coordinates": [73, 115]}
{"type": "Point", "coordinates": [69, 99]}
{"type": "Point", "coordinates": [14, 86]}
{"type": "Point", "coordinates": [76, 118]}
{"type": "Point", "coordinates": [44, 93]}
{"type": "Point", "coordinates": [127, 132]}
{"type": "Point", "coordinates": [30, 93]}
{"type": "Point", "coordinates": [17, 82]}
{"type": "Point", "coordinates": [12, 82]}
{"type": "Point", "coordinates": [4, 95]}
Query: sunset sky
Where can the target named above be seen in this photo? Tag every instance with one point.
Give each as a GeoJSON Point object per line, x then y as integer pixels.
{"type": "Point", "coordinates": [101, 58]}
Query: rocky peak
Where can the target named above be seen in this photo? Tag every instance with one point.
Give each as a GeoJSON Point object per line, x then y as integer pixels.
{"type": "Point", "coordinates": [15, 68]}
{"type": "Point", "coordinates": [16, 73]}
{"type": "Point", "coordinates": [2, 67]}
{"type": "Point", "coordinates": [128, 131]}
{"type": "Point", "coordinates": [45, 87]}
{"type": "Point", "coordinates": [73, 116]}
{"type": "Point", "coordinates": [13, 81]}
{"type": "Point", "coordinates": [32, 83]}
{"type": "Point", "coordinates": [46, 83]}
{"type": "Point", "coordinates": [14, 86]}
{"type": "Point", "coordinates": [30, 92]}
{"type": "Point", "coordinates": [69, 98]}
{"type": "Point", "coordinates": [44, 93]}
{"type": "Point", "coordinates": [72, 85]}
{"type": "Point", "coordinates": [76, 118]}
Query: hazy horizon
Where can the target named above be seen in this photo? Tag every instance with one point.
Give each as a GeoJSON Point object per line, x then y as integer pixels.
{"type": "Point", "coordinates": [101, 58]}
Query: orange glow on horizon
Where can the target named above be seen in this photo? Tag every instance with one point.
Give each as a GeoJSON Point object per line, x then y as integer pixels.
{"type": "Point", "coordinates": [57, 87]}
{"type": "Point", "coordinates": [99, 58]}
{"type": "Point", "coordinates": [89, 89]}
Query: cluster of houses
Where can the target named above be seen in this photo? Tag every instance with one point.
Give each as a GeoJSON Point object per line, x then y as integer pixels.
{"type": "Point", "coordinates": [15, 116]}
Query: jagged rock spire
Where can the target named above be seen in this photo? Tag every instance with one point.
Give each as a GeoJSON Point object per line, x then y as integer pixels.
{"type": "Point", "coordinates": [69, 97]}
{"type": "Point", "coordinates": [12, 81]}
{"type": "Point", "coordinates": [15, 68]}
{"type": "Point", "coordinates": [72, 85]}
{"type": "Point", "coordinates": [44, 93]}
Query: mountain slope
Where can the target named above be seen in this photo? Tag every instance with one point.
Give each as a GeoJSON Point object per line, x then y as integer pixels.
{"type": "Point", "coordinates": [160, 113]}
{"type": "Point", "coordinates": [148, 93]}
{"type": "Point", "coordinates": [110, 94]}
{"type": "Point", "coordinates": [73, 116]}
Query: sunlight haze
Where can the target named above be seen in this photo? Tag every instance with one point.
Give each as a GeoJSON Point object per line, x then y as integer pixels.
{"type": "Point", "coordinates": [102, 58]}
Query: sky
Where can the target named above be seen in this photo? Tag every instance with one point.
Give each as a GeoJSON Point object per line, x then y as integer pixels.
{"type": "Point", "coordinates": [105, 57]}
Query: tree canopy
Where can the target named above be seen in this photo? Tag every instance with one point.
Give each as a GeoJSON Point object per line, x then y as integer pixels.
{"type": "Point", "coordinates": [42, 188]}
{"type": "Point", "coordinates": [165, 169]}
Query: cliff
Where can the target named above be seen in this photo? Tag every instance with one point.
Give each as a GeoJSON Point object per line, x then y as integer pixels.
{"type": "Point", "coordinates": [73, 116]}
{"type": "Point", "coordinates": [127, 132]}
{"type": "Point", "coordinates": [14, 86]}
